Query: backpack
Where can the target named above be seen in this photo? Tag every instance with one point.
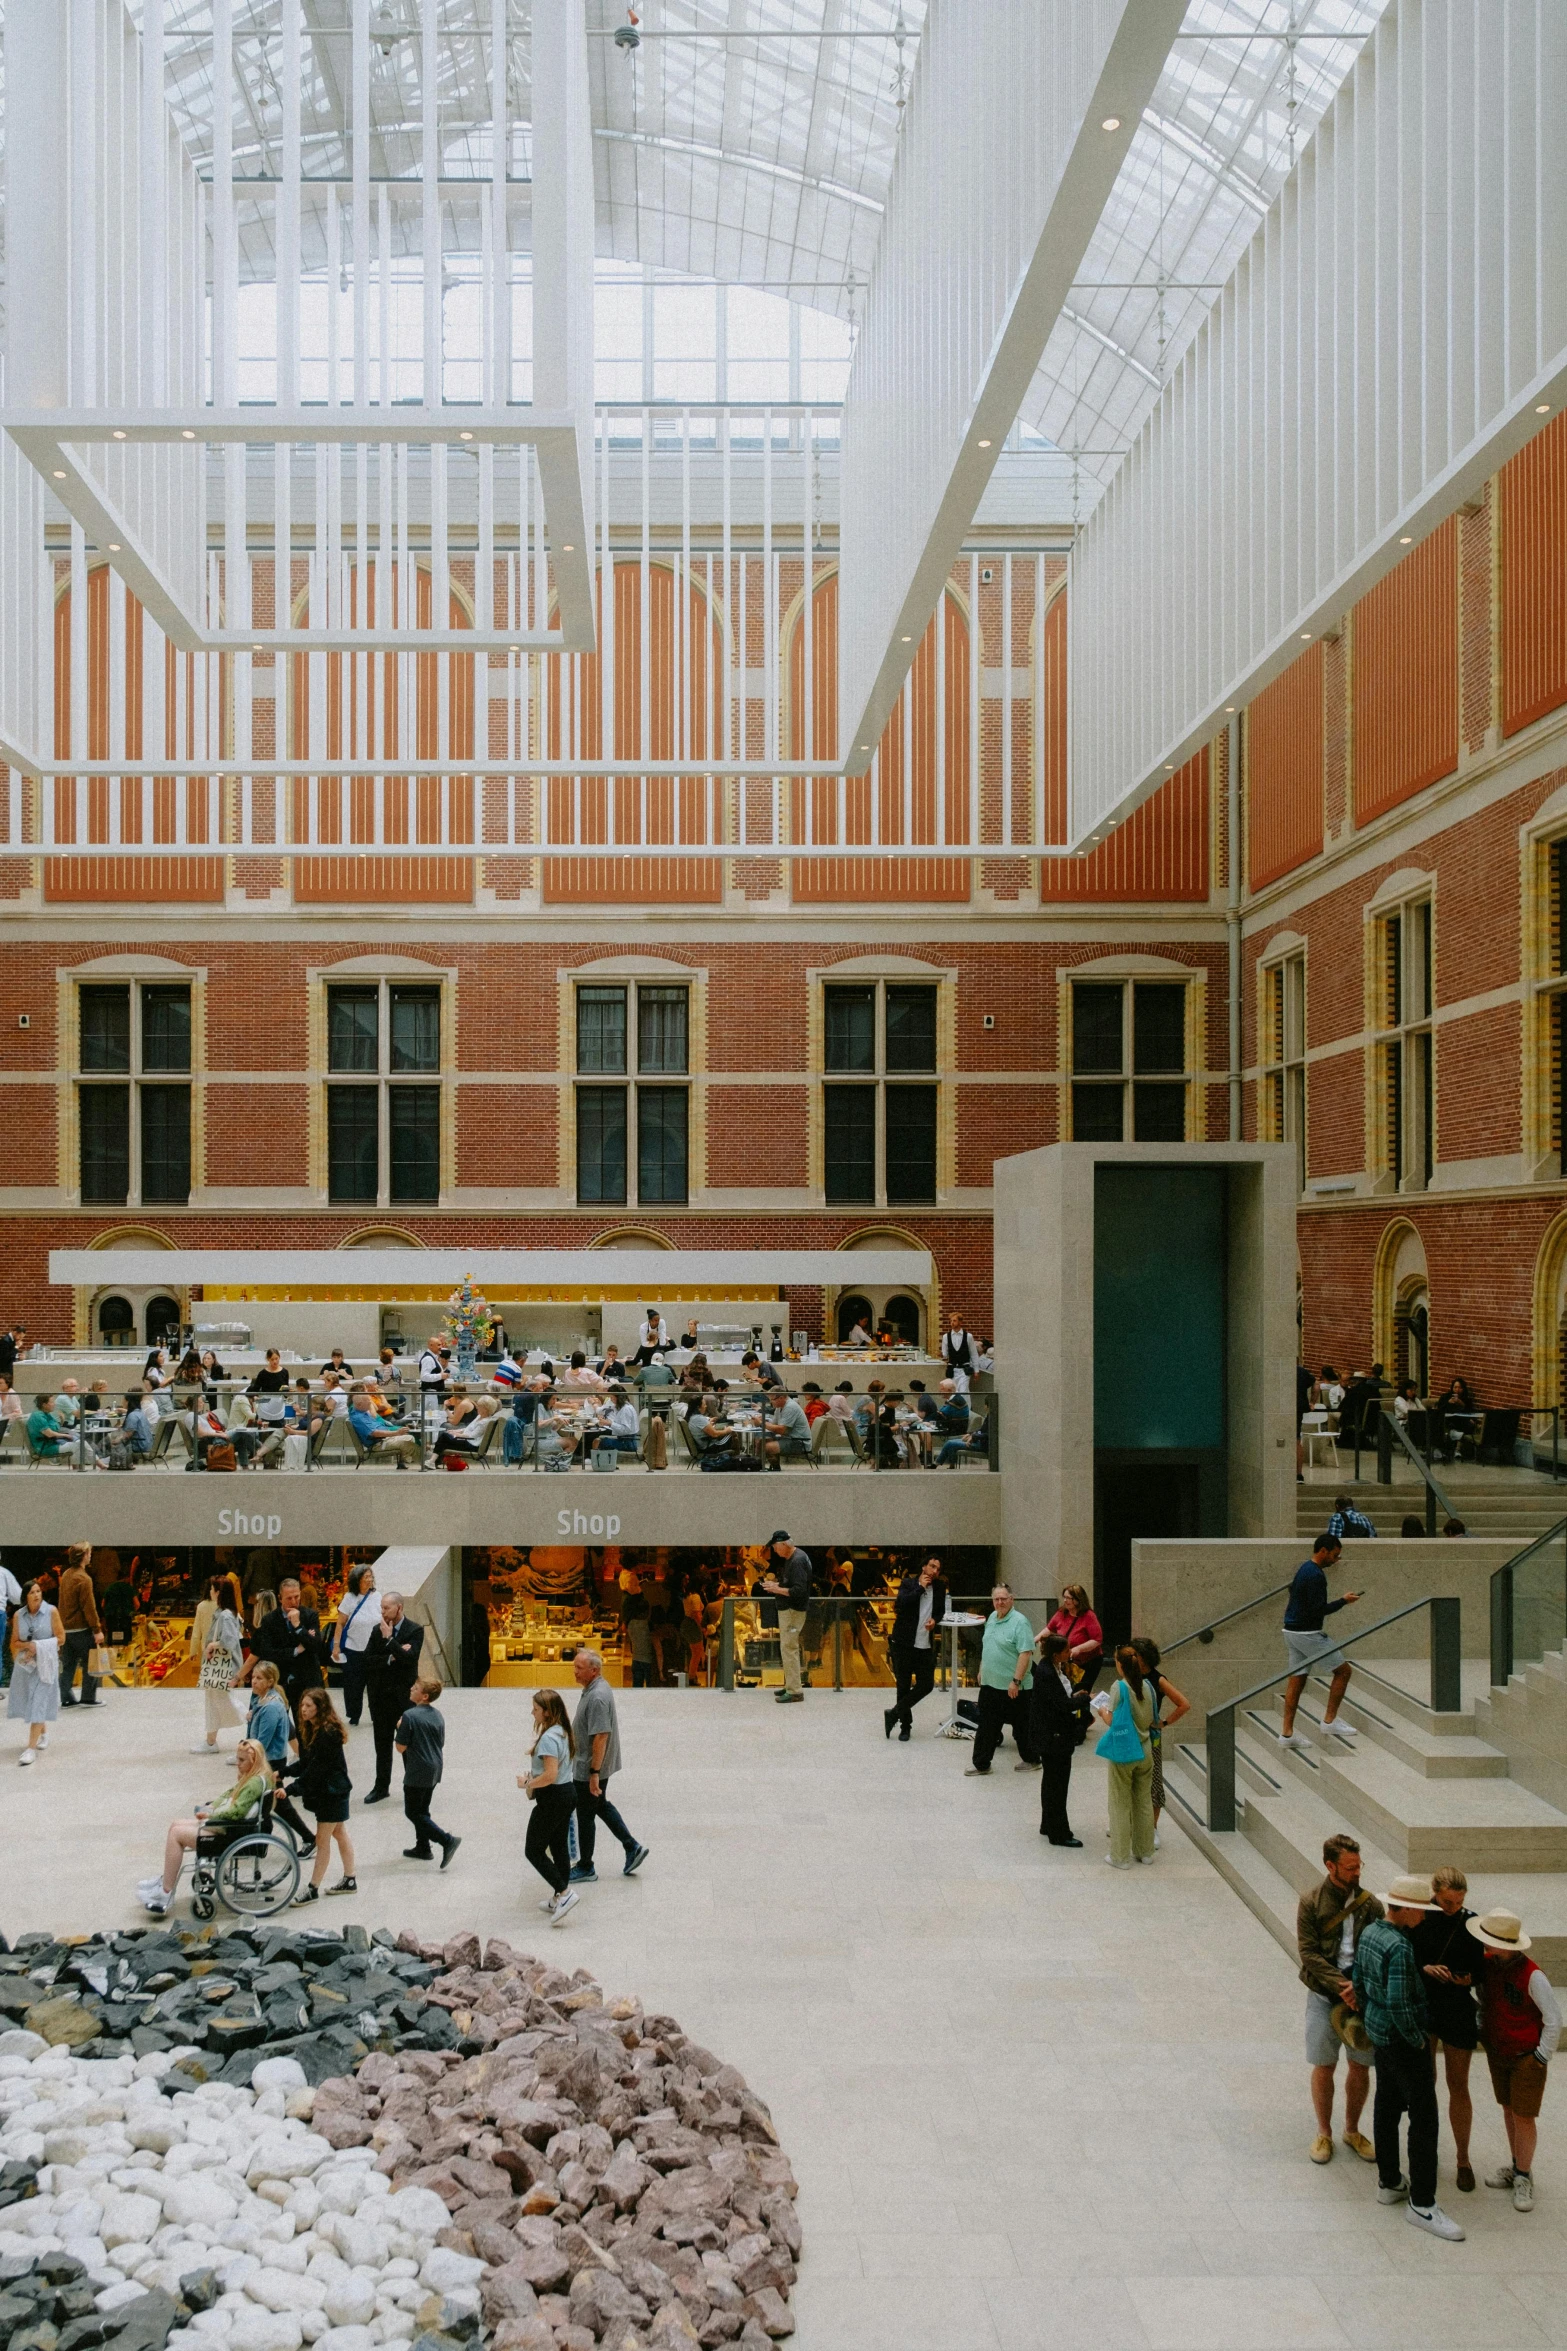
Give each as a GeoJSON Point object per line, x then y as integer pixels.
{"type": "Point", "coordinates": [121, 1453]}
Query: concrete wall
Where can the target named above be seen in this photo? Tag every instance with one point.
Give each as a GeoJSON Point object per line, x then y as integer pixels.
{"type": "Point", "coordinates": [430, 1581]}
{"type": "Point", "coordinates": [154, 1506]}
{"type": "Point", "coordinates": [1044, 1254]}
{"type": "Point", "coordinates": [1177, 1587]}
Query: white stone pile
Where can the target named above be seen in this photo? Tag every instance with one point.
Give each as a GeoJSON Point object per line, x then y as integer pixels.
{"type": "Point", "coordinates": [307, 2243]}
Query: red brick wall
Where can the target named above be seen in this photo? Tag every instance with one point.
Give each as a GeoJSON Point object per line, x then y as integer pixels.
{"type": "Point", "coordinates": [257, 1135]}
{"type": "Point", "coordinates": [756, 1135]}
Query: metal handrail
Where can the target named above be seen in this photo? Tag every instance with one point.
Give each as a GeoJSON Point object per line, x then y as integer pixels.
{"type": "Point", "coordinates": [1447, 1690]}
{"type": "Point", "coordinates": [839, 1603]}
{"type": "Point", "coordinates": [1503, 1651]}
{"type": "Point", "coordinates": [1205, 1633]}
{"type": "Point", "coordinates": [1434, 1493]}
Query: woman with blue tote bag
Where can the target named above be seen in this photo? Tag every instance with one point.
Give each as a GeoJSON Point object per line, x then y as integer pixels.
{"type": "Point", "coordinates": [356, 1621]}
{"type": "Point", "coordinates": [1126, 1749]}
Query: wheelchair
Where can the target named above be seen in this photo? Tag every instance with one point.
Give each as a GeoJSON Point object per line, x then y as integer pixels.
{"type": "Point", "coordinates": [249, 1866]}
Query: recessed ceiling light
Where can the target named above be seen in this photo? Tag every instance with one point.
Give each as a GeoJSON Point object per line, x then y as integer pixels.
{"type": "Point", "coordinates": [187, 436]}
{"type": "Point", "coordinates": [1542, 408]}
{"type": "Point", "coordinates": [114, 546]}
{"type": "Point", "coordinates": [59, 473]}
{"type": "Point", "coordinates": [865, 746]}
{"type": "Point", "coordinates": [907, 640]}
{"type": "Point", "coordinates": [1169, 767]}
{"type": "Point", "coordinates": [1305, 636]}
{"type": "Point", "coordinates": [984, 444]}
{"type": "Point", "coordinates": [465, 436]}
{"type": "Point", "coordinates": [119, 433]}
{"type": "Point", "coordinates": [1230, 707]}
{"type": "Point", "coordinates": [1112, 122]}
{"type": "Point", "coordinates": [568, 549]}
{"type": "Point", "coordinates": [258, 648]}
{"type": "Point", "coordinates": [1408, 539]}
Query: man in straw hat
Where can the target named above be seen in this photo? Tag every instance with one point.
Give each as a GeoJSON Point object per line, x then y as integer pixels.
{"type": "Point", "coordinates": [1520, 2025]}
{"type": "Point", "coordinates": [1390, 1994]}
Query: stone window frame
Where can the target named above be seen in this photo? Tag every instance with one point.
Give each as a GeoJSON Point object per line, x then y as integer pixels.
{"type": "Point", "coordinates": [1129, 967]}
{"type": "Point", "coordinates": [883, 968]}
{"type": "Point", "coordinates": [1412, 1032]}
{"type": "Point", "coordinates": [382, 970]}
{"type": "Point", "coordinates": [133, 969]}
{"type": "Point", "coordinates": [626, 970]}
{"type": "Point", "coordinates": [1283, 1089]}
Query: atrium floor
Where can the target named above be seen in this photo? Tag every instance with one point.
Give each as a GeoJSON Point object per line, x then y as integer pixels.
{"type": "Point", "coordinates": [1030, 2101]}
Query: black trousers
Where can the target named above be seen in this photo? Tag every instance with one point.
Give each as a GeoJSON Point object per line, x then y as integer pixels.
{"type": "Point", "coordinates": [995, 1710]}
{"type": "Point", "coordinates": [591, 1810]}
{"type": "Point", "coordinates": [916, 1676]}
{"type": "Point", "coordinates": [1055, 1778]}
{"type": "Point", "coordinates": [549, 1831]}
{"type": "Point", "coordinates": [354, 1684]}
{"type": "Point", "coordinates": [387, 1708]}
{"type": "Point", "coordinates": [416, 1804]}
{"type": "Point", "coordinates": [1406, 2084]}
{"type": "Point", "coordinates": [75, 1650]}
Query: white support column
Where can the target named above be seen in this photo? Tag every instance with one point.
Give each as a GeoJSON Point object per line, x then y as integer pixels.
{"type": "Point", "coordinates": [360, 116]}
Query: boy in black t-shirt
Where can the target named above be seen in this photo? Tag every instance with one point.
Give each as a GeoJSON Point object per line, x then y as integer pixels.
{"type": "Point", "coordinates": [421, 1740]}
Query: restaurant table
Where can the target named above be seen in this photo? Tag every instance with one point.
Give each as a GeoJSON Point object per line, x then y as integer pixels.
{"type": "Point", "coordinates": [955, 1727]}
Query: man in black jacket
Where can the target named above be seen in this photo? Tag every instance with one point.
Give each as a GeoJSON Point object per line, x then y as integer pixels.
{"type": "Point", "coordinates": [1060, 1726]}
{"type": "Point", "coordinates": [913, 1644]}
{"type": "Point", "coordinates": [290, 1635]}
{"type": "Point", "coordinates": [391, 1669]}
{"type": "Point", "coordinates": [788, 1582]}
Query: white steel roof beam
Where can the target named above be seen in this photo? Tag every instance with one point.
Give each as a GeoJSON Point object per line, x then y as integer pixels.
{"type": "Point", "coordinates": [1018, 120]}
{"type": "Point", "coordinates": [1394, 331]}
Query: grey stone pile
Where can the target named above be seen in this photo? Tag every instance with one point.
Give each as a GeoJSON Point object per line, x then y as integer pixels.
{"type": "Point", "coordinates": [268, 2138]}
{"type": "Point", "coordinates": [225, 1996]}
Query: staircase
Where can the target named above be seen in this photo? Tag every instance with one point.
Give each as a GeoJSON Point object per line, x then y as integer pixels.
{"type": "Point", "coordinates": [1518, 1503]}
{"type": "Point", "coordinates": [1484, 1789]}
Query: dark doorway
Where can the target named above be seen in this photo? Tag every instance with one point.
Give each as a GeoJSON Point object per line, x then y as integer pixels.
{"type": "Point", "coordinates": [1136, 1498]}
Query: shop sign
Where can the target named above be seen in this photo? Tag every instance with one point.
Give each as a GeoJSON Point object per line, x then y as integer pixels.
{"type": "Point", "coordinates": [245, 1522]}
{"type": "Point", "coordinates": [577, 1522]}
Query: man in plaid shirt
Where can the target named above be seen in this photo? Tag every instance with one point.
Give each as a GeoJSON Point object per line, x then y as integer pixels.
{"type": "Point", "coordinates": [1391, 2000]}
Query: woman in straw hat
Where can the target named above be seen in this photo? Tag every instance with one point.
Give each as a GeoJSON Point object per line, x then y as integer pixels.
{"type": "Point", "coordinates": [1520, 2025]}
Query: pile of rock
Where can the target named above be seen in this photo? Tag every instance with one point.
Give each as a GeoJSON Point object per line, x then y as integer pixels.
{"type": "Point", "coordinates": [233, 1996]}
{"type": "Point", "coordinates": [621, 2183]}
{"type": "Point", "coordinates": [422, 2143]}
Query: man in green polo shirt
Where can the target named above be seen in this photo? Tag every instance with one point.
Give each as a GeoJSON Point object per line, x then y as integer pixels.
{"type": "Point", "coordinates": [1006, 1675]}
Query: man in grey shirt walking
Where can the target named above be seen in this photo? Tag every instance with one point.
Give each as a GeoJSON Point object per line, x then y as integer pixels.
{"type": "Point", "coordinates": [596, 1741]}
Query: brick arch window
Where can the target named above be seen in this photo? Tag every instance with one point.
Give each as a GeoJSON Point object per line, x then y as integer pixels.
{"type": "Point", "coordinates": [330, 719]}
{"type": "Point", "coordinates": [914, 789]}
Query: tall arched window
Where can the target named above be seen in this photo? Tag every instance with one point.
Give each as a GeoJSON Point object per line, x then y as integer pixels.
{"type": "Point", "coordinates": [116, 1322]}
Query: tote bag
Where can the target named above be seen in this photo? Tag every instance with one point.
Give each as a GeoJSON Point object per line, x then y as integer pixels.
{"type": "Point", "coordinates": [1121, 1742]}
{"type": "Point", "coordinates": [217, 1667]}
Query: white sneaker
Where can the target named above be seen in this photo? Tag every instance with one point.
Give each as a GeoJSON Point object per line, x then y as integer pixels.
{"type": "Point", "coordinates": [1348, 1733]}
{"type": "Point", "coordinates": [567, 1901]}
{"type": "Point", "coordinates": [1398, 2195]}
{"type": "Point", "coordinates": [158, 1903]}
{"type": "Point", "coordinates": [1523, 2191]}
{"type": "Point", "coordinates": [1294, 1742]}
{"type": "Point", "coordinates": [43, 1741]}
{"type": "Point", "coordinates": [1435, 2222]}
{"type": "Point", "coordinates": [28, 1755]}
{"type": "Point", "coordinates": [548, 1903]}
{"type": "Point", "coordinates": [1112, 1863]}
{"type": "Point", "coordinates": [1156, 1845]}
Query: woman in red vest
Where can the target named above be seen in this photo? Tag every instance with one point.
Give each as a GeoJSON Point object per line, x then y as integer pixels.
{"type": "Point", "coordinates": [1520, 2025]}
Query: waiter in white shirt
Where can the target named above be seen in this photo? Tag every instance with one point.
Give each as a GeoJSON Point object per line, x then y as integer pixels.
{"type": "Point", "coordinates": [918, 1610]}
{"type": "Point", "coordinates": [960, 1354]}
{"type": "Point", "coordinates": [433, 1383]}
{"type": "Point", "coordinates": [651, 1337]}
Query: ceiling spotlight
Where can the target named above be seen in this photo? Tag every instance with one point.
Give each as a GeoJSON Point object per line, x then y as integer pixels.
{"type": "Point", "coordinates": [1230, 707]}
{"type": "Point", "coordinates": [568, 549]}
{"type": "Point", "coordinates": [1305, 636]}
{"type": "Point", "coordinates": [984, 444]}
{"type": "Point", "coordinates": [465, 436]}
{"type": "Point", "coordinates": [258, 648]}
{"type": "Point", "coordinates": [1408, 539]}
{"type": "Point", "coordinates": [119, 433]}
{"type": "Point", "coordinates": [114, 546]}
{"type": "Point", "coordinates": [59, 473]}
{"type": "Point", "coordinates": [1542, 408]}
{"type": "Point", "coordinates": [186, 435]}
{"type": "Point", "coordinates": [627, 35]}
{"type": "Point", "coordinates": [1112, 122]}
{"type": "Point", "coordinates": [906, 640]}
{"type": "Point", "coordinates": [387, 29]}
{"type": "Point", "coordinates": [865, 746]}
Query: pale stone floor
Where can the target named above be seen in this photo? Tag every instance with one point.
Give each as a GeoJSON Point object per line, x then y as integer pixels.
{"type": "Point", "coordinates": [1031, 2102]}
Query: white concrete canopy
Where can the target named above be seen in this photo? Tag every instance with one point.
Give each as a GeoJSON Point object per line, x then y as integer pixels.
{"type": "Point", "coordinates": [658, 1271]}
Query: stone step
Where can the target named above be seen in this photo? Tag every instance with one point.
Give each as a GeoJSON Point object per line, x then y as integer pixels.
{"type": "Point", "coordinates": [1449, 1752]}
{"type": "Point", "coordinates": [1473, 1823]}
{"type": "Point", "coordinates": [1275, 1855]}
{"type": "Point", "coordinates": [1402, 1685]}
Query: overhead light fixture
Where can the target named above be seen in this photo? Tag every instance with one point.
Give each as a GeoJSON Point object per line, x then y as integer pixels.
{"type": "Point", "coordinates": [187, 436]}
{"type": "Point", "coordinates": [1305, 636]}
{"type": "Point", "coordinates": [1169, 767]}
{"type": "Point", "coordinates": [865, 746]}
{"type": "Point", "coordinates": [119, 432]}
{"type": "Point", "coordinates": [1542, 408]}
{"type": "Point", "coordinates": [907, 640]}
{"type": "Point", "coordinates": [1112, 122]}
{"type": "Point", "coordinates": [984, 444]}
{"type": "Point", "coordinates": [59, 473]}
{"type": "Point", "coordinates": [1408, 539]}
{"type": "Point", "coordinates": [258, 648]}
{"type": "Point", "coordinates": [465, 436]}
{"type": "Point", "coordinates": [627, 37]}
{"type": "Point", "coordinates": [1230, 709]}
{"type": "Point", "coordinates": [568, 549]}
{"type": "Point", "coordinates": [114, 546]}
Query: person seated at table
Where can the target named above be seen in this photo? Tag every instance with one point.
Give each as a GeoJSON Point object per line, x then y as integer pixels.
{"type": "Point", "coordinates": [812, 1402]}
{"type": "Point", "coordinates": [843, 1404]}
{"type": "Point", "coordinates": [11, 1405]}
{"type": "Point", "coordinates": [68, 1403]}
{"type": "Point", "coordinates": [655, 1378]}
{"type": "Point", "coordinates": [300, 1411]}
{"type": "Point", "coordinates": [525, 1401]}
{"type": "Point", "coordinates": [609, 1367]}
{"type": "Point", "coordinates": [581, 1373]}
{"type": "Point", "coordinates": [337, 1366]}
{"type": "Point", "coordinates": [211, 1369]}
{"type": "Point", "coordinates": [622, 1429]}
{"type": "Point", "coordinates": [139, 1426]}
{"type": "Point", "coordinates": [238, 1804]}
{"type": "Point", "coordinates": [556, 1433]}
{"type": "Point", "coordinates": [786, 1433]}
{"type": "Point", "coordinates": [707, 1436]}
{"type": "Point", "coordinates": [1406, 1401]}
{"type": "Point", "coordinates": [205, 1424]}
{"type": "Point", "coordinates": [45, 1431]}
{"type": "Point", "coordinates": [377, 1439]}
{"type": "Point", "coordinates": [463, 1427]}
{"type": "Point", "coordinates": [334, 1396]}
{"type": "Point", "coordinates": [755, 1373]}
{"type": "Point", "coordinates": [961, 1448]}
{"type": "Point", "coordinates": [1328, 1393]}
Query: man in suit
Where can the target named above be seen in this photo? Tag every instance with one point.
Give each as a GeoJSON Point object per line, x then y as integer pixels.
{"type": "Point", "coordinates": [391, 1669]}
{"type": "Point", "coordinates": [290, 1635]}
{"type": "Point", "coordinates": [1060, 1726]}
{"type": "Point", "coordinates": [913, 1644]}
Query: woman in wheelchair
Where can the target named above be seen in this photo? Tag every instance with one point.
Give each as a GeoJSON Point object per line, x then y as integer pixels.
{"type": "Point", "coordinates": [241, 1802]}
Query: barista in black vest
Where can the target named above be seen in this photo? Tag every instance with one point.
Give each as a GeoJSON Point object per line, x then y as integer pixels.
{"type": "Point", "coordinates": [391, 1669]}
{"type": "Point", "coordinates": [959, 1352]}
{"type": "Point", "coordinates": [914, 1643]}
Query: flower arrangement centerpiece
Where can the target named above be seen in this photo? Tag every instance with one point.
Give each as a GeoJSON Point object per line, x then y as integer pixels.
{"type": "Point", "coordinates": [470, 1323]}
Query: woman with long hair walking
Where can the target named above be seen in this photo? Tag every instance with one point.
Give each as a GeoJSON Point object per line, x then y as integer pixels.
{"type": "Point", "coordinates": [320, 1780]}
{"type": "Point", "coordinates": [551, 1791]}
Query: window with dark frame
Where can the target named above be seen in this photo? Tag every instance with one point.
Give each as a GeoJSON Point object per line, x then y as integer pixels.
{"type": "Point", "coordinates": [879, 1139]}
{"type": "Point", "coordinates": [383, 1136]}
{"type": "Point", "coordinates": [133, 1136]}
{"type": "Point", "coordinates": [1130, 1080]}
{"type": "Point", "coordinates": [1284, 1058]}
{"type": "Point", "coordinates": [1405, 1052]}
{"type": "Point", "coordinates": [636, 1127]}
